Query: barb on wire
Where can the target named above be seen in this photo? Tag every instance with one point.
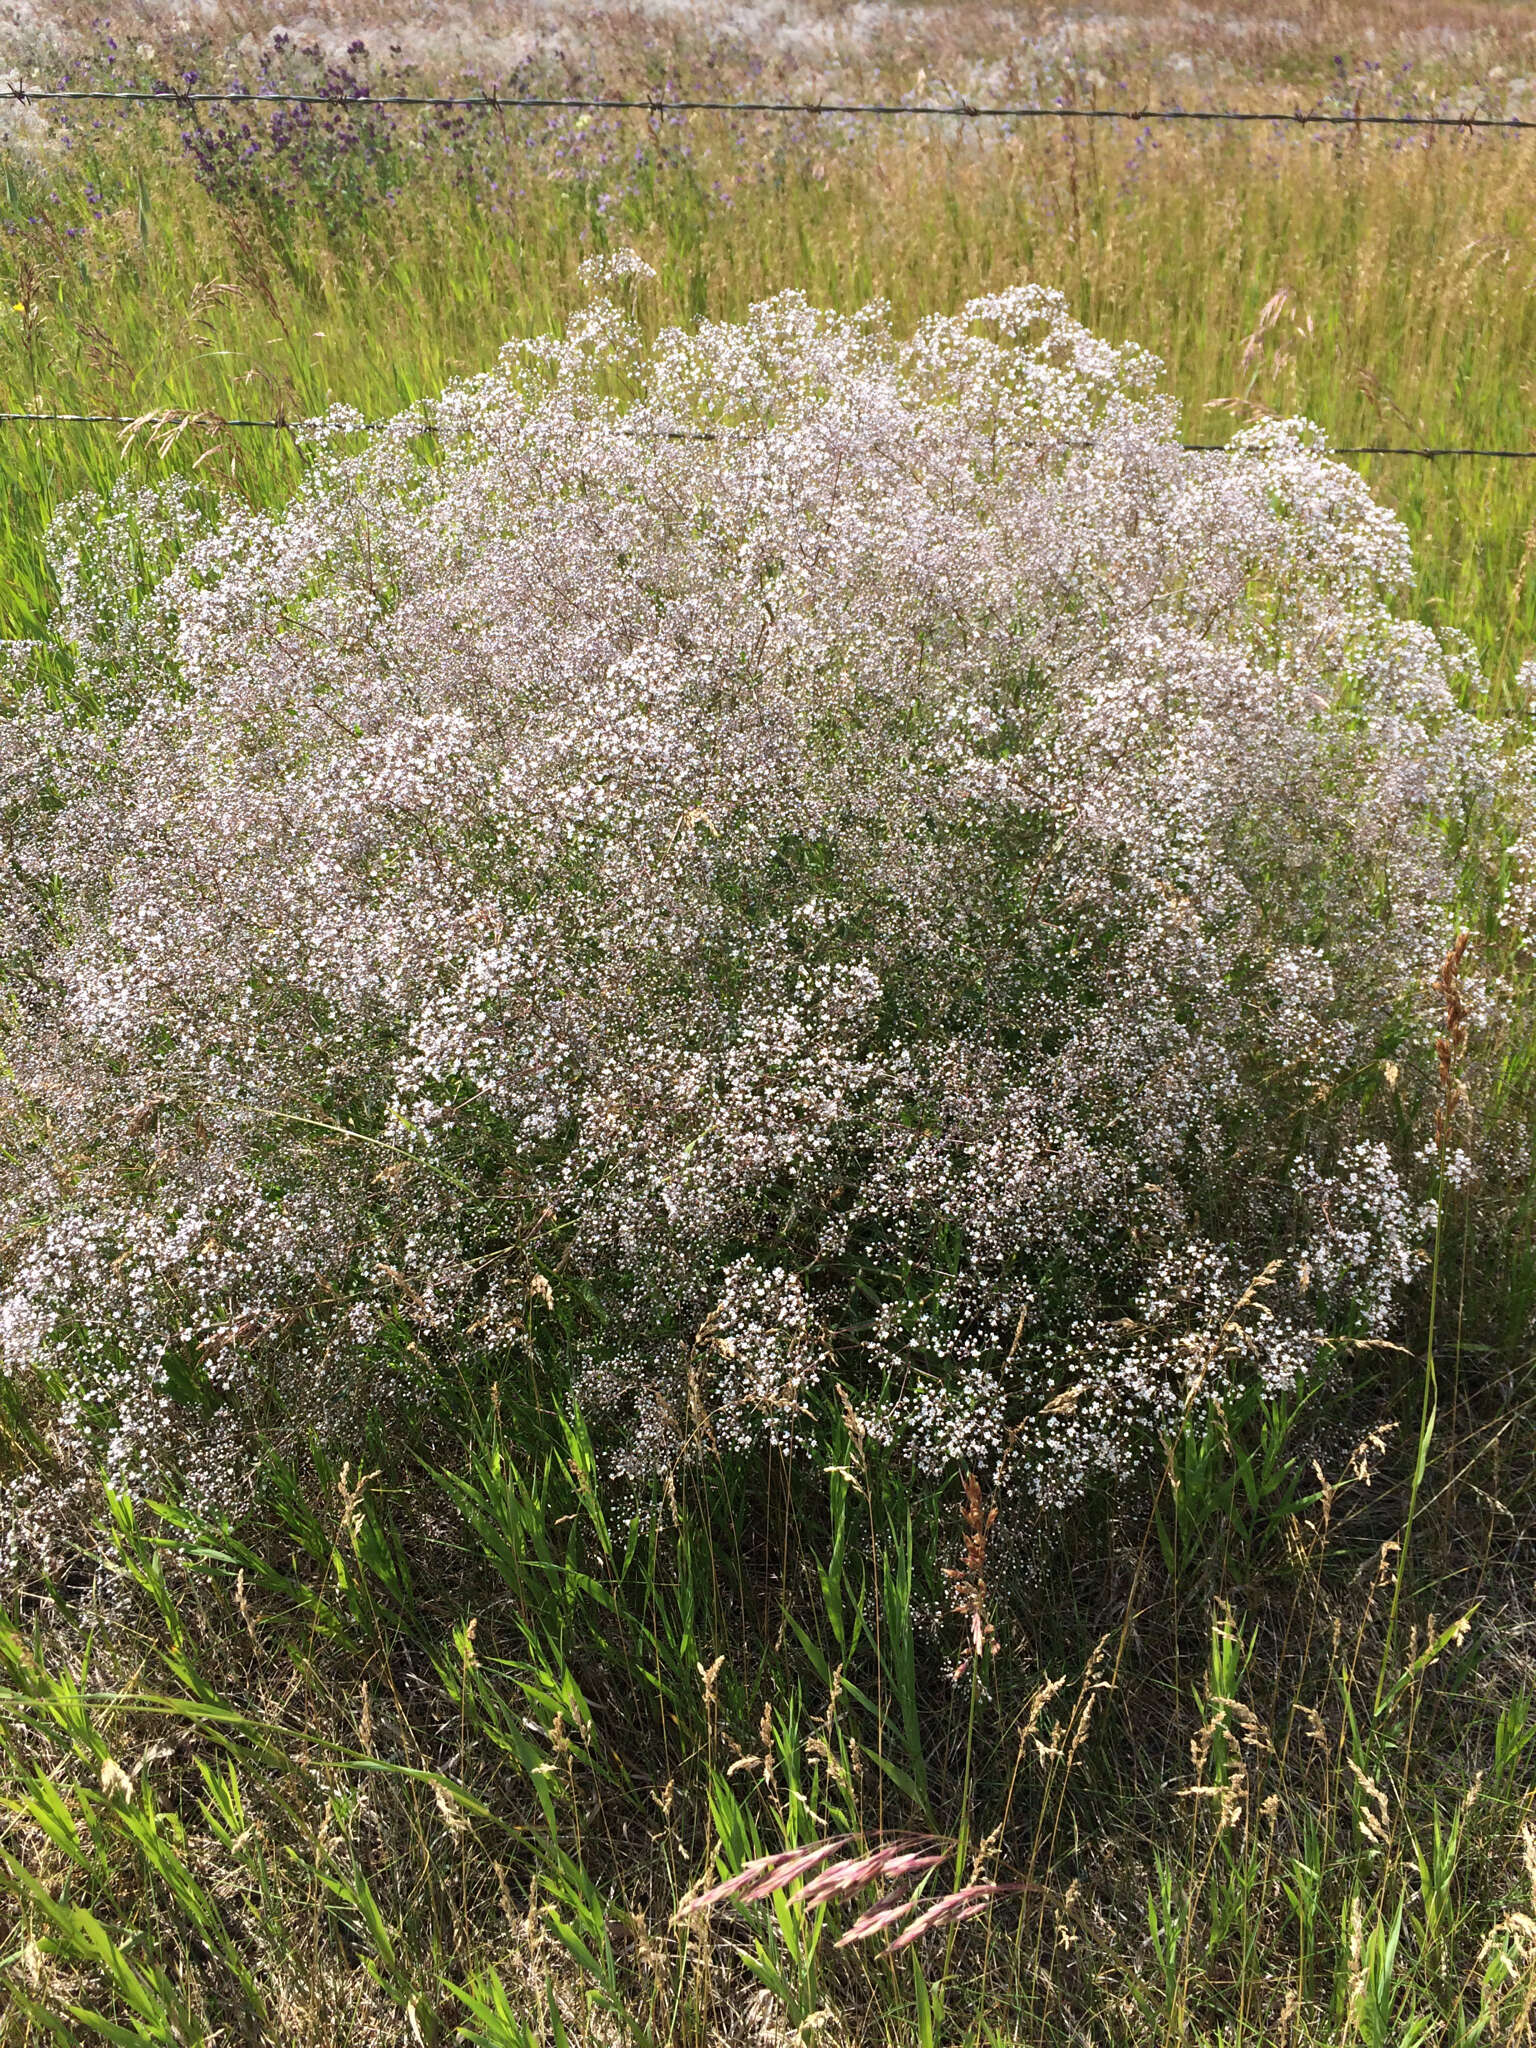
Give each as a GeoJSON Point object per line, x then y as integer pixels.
{"type": "Point", "coordinates": [965, 110]}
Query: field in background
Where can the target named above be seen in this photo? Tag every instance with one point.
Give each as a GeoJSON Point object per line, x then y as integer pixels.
{"type": "Point", "coordinates": [435, 1751]}
{"type": "Point", "coordinates": [1382, 283]}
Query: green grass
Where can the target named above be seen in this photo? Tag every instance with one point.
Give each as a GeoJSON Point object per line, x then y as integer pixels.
{"type": "Point", "coordinates": [1408, 274]}
{"type": "Point", "coordinates": [439, 1748]}
{"type": "Point", "coordinates": [432, 1745]}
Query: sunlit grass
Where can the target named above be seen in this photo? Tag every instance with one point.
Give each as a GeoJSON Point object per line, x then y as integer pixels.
{"type": "Point", "coordinates": [1399, 278]}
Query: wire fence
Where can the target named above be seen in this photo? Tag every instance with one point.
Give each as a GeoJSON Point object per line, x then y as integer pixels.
{"type": "Point", "coordinates": [171, 421]}
{"type": "Point", "coordinates": [490, 101]}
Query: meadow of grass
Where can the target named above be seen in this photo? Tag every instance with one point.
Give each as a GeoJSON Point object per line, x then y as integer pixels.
{"type": "Point", "coordinates": [1382, 284]}
{"type": "Point", "coordinates": [433, 1745]}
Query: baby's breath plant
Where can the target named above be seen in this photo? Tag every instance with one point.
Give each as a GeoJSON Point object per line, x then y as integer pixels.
{"type": "Point", "coordinates": [772, 857]}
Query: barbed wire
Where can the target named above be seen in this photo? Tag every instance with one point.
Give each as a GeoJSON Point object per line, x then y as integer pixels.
{"type": "Point", "coordinates": [169, 419]}
{"type": "Point", "coordinates": [1398, 448]}
{"type": "Point", "coordinates": [211, 422]}
{"type": "Point", "coordinates": [493, 102]}
{"type": "Point", "coordinates": [153, 419]}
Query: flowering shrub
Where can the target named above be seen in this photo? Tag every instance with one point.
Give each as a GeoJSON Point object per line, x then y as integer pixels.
{"type": "Point", "coordinates": [775, 858]}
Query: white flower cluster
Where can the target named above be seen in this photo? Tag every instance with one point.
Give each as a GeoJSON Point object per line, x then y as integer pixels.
{"type": "Point", "coordinates": [1368, 1230]}
{"type": "Point", "coordinates": [766, 1344]}
{"type": "Point", "coordinates": [817, 855]}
